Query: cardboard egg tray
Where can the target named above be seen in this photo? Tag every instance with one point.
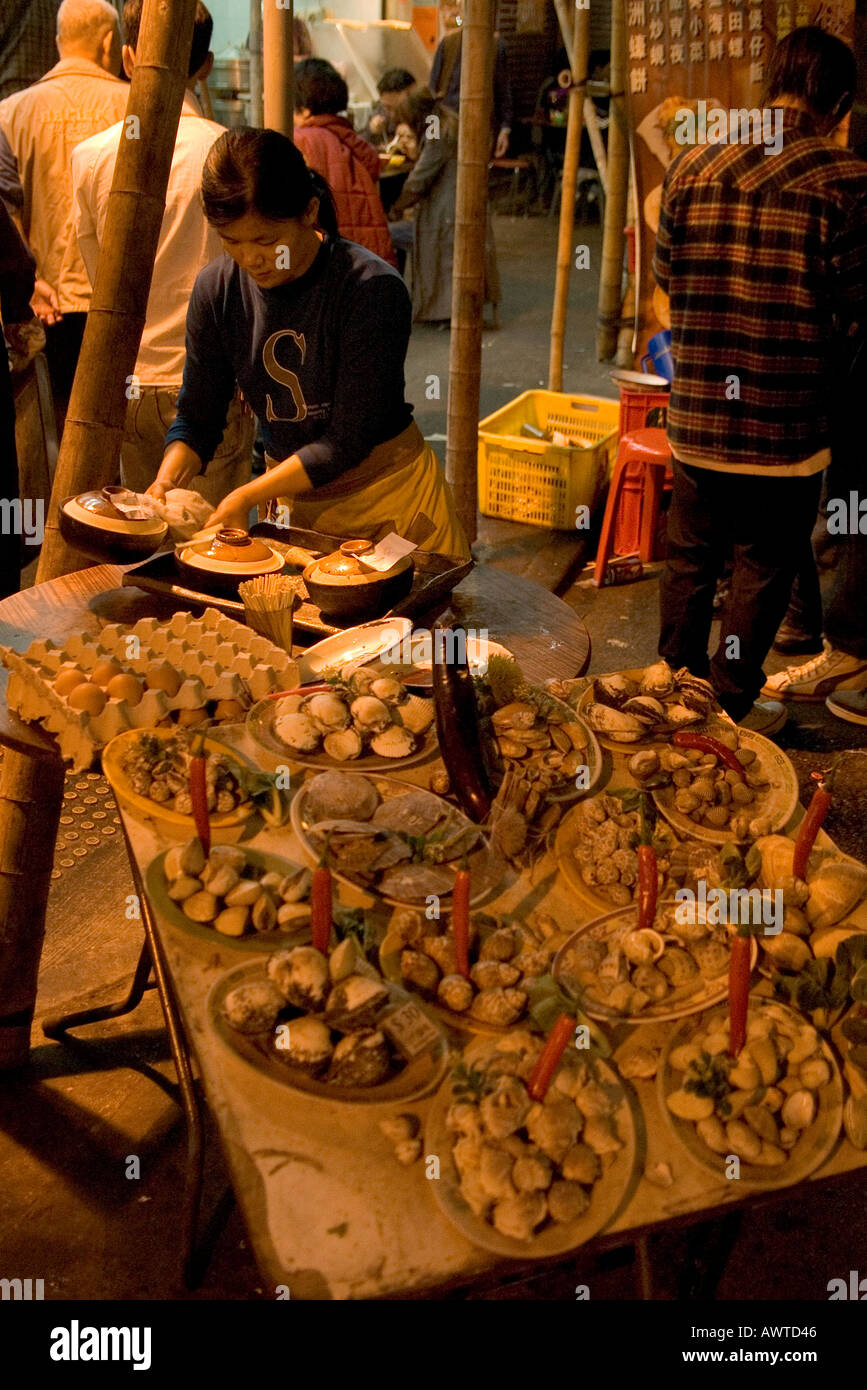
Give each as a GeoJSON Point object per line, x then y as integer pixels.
{"type": "Point", "coordinates": [218, 659]}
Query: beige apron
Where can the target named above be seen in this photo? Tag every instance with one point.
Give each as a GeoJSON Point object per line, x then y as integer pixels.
{"type": "Point", "coordinates": [398, 487]}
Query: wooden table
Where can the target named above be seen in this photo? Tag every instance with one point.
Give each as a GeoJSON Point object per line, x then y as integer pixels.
{"type": "Point", "coordinates": [547, 637]}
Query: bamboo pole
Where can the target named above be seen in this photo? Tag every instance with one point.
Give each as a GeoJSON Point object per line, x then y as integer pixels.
{"type": "Point", "coordinates": [278, 58]}
{"type": "Point", "coordinates": [591, 120]}
{"type": "Point", "coordinates": [611, 277]}
{"type": "Point", "coordinates": [580, 50]}
{"type": "Point", "coordinates": [31, 797]}
{"type": "Point", "coordinates": [468, 281]}
{"type": "Point", "coordinates": [257, 107]}
{"type": "Point", "coordinates": [92, 436]}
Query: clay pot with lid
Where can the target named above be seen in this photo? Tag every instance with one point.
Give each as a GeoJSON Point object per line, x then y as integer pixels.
{"type": "Point", "coordinates": [219, 563]}
{"type": "Point", "coordinates": [110, 524]}
{"type": "Point", "coordinates": [347, 591]}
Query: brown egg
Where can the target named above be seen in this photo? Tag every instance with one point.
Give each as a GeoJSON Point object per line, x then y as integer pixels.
{"type": "Point", "coordinates": [229, 709]}
{"type": "Point", "coordinates": [104, 672]}
{"type": "Point", "coordinates": [125, 687]}
{"type": "Point", "coordinates": [68, 679]}
{"type": "Point", "coordinates": [161, 676]}
{"type": "Point", "coordinates": [88, 697]}
{"type": "Point", "coordinates": [187, 717]}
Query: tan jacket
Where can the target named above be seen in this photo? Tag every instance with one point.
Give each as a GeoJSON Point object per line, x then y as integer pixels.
{"type": "Point", "coordinates": [43, 124]}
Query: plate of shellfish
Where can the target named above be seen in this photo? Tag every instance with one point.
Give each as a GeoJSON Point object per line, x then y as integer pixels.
{"type": "Point", "coordinates": [618, 971]}
{"type": "Point", "coordinates": [777, 1107]}
{"type": "Point", "coordinates": [392, 839]}
{"type": "Point", "coordinates": [641, 705]}
{"type": "Point", "coordinates": [241, 896]}
{"type": "Point", "coordinates": [369, 720]}
{"type": "Point", "coordinates": [526, 1179]}
{"type": "Point", "coordinates": [327, 1025]}
{"type": "Point", "coordinates": [506, 956]}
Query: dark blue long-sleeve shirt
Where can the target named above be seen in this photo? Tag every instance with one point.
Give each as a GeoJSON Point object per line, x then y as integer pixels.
{"type": "Point", "coordinates": [501, 112]}
{"type": "Point", "coordinates": [320, 359]}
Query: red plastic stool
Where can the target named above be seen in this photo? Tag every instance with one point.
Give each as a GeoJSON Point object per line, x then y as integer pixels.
{"type": "Point", "coordinates": [649, 451]}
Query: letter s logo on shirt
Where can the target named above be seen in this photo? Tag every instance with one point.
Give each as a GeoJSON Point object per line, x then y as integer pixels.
{"type": "Point", "coordinates": [283, 375]}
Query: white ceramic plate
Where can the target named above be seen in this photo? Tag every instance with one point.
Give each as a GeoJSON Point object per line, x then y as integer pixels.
{"type": "Point", "coordinates": [361, 643]}
{"type": "Point", "coordinates": [778, 803]}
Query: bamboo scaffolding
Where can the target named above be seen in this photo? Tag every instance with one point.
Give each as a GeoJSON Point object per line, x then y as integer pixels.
{"type": "Point", "coordinates": [580, 51]}
{"type": "Point", "coordinates": [90, 447]}
{"type": "Point", "coordinates": [591, 120]}
{"type": "Point", "coordinates": [611, 276]}
{"type": "Point", "coordinates": [278, 59]}
{"type": "Point", "coordinates": [468, 281]}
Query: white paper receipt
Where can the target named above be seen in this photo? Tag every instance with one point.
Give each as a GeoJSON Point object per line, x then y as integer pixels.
{"type": "Point", "coordinates": [388, 551]}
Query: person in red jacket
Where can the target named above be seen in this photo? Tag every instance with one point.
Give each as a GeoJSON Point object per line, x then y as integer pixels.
{"type": "Point", "coordinates": [347, 162]}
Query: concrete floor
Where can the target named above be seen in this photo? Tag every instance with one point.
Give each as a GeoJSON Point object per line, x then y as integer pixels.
{"type": "Point", "coordinates": [69, 1126]}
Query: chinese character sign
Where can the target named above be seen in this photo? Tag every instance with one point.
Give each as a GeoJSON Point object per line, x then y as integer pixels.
{"type": "Point", "coordinates": [680, 54]}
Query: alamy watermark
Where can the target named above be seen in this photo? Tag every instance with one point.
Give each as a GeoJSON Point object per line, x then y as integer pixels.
{"type": "Point", "coordinates": [445, 645]}
{"type": "Point", "coordinates": [23, 518]}
{"type": "Point", "coordinates": [714, 125]}
{"type": "Point", "coordinates": [731, 906]}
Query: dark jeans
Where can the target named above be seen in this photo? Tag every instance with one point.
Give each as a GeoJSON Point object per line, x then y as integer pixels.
{"type": "Point", "coordinates": [62, 347]}
{"type": "Point", "coordinates": [845, 625]}
{"type": "Point", "coordinates": [766, 524]}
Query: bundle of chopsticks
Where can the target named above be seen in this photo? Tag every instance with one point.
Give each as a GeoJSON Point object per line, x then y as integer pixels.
{"type": "Point", "coordinates": [268, 602]}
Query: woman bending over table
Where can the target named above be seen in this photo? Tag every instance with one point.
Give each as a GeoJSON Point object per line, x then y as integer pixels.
{"type": "Point", "coordinates": [314, 330]}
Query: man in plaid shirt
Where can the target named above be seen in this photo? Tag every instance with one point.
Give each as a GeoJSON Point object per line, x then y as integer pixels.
{"type": "Point", "coordinates": [763, 252]}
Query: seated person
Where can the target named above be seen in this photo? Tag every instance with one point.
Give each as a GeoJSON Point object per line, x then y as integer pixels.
{"type": "Point", "coordinates": [348, 163]}
{"type": "Point", "coordinates": [393, 87]}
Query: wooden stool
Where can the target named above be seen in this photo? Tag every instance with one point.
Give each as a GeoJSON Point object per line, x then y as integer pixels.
{"type": "Point", "coordinates": [518, 167]}
{"type": "Point", "coordinates": [649, 450]}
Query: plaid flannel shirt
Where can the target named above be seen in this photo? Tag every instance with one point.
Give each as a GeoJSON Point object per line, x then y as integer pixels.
{"type": "Point", "coordinates": [764, 257]}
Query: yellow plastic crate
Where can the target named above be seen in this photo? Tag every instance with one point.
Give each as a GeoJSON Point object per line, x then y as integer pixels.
{"type": "Point", "coordinates": [543, 484]}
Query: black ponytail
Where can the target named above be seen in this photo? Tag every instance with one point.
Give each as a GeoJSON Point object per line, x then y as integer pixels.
{"type": "Point", "coordinates": [262, 171]}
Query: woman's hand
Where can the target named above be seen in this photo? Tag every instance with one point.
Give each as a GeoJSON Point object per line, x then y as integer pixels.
{"type": "Point", "coordinates": [178, 468]}
{"type": "Point", "coordinates": [233, 512]}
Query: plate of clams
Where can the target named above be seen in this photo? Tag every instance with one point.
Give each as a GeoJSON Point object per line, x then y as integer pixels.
{"type": "Point", "coordinates": [391, 838]}
{"type": "Point", "coordinates": [524, 1179]}
{"type": "Point", "coordinates": [676, 967]}
{"type": "Point", "coordinates": [506, 956]}
{"type": "Point", "coordinates": [328, 1026]}
{"type": "Point", "coordinates": [245, 897]}
{"type": "Point", "coordinates": [777, 1107]}
{"type": "Point", "coordinates": [645, 704]}
{"type": "Point", "coordinates": [370, 720]}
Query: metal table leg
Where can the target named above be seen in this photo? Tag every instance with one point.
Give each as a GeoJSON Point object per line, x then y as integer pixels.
{"type": "Point", "coordinates": [56, 1028]}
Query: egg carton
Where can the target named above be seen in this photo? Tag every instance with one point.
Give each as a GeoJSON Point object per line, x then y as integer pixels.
{"type": "Point", "coordinates": [217, 658]}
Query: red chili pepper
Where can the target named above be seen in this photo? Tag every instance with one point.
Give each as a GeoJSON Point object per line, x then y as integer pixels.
{"type": "Point", "coordinates": [648, 882]}
{"type": "Point", "coordinates": [461, 919]}
{"type": "Point", "coordinates": [199, 794]}
{"type": "Point", "coordinates": [320, 906]}
{"type": "Point", "coordinates": [739, 992]}
{"type": "Point", "coordinates": [684, 739]}
{"type": "Point", "coordinates": [543, 1072]}
{"type": "Point", "coordinates": [809, 827]}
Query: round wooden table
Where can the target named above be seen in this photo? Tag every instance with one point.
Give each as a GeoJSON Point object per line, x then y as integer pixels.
{"type": "Point", "coordinates": [546, 637]}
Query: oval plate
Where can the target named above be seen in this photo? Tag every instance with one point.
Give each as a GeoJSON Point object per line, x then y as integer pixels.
{"type": "Point", "coordinates": [569, 834]}
{"type": "Point", "coordinates": [260, 726]}
{"type": "Point", "coordinates": [815, 1143]}
{"type": "Point", "coordinates": [779, 802]}
{"type": "Point", "coordinates": [173, 824]}
{"type": "Point", "coordinates": [486, 866]}
{"type": "Point", "coordinates": [416, 1079]}
{"type": "Point", "coordinates": [608, 1192]}
{"type": "Point", "coordinates": [357, 644]}
{"type": "Point", "coordinates": [635, 673]}
{"type": "Point", "coordinates": [389, 965]}
{"type": "Point", "coordinates": [259, 941]}
{"type": "Point", "coordinates": [688, 999]}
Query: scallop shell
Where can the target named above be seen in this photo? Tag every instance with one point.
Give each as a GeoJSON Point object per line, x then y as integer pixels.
{"type": "Point", "coordinates": [417, 714]}
{"type": "Point", "coordinates": [389, 689]}
{"type": "Point", "coordinates": [298, 731]}
{"type": "Point", "coordinates": [328, 711]}
{"type": "Point", "coordinates": [336, 795]}
{"type": "Point", "coordinates": [342, 744]}
{"type": "Point", "coordinates": [395, 742]}
{"type": "Point", "coordinates": [370, 715]}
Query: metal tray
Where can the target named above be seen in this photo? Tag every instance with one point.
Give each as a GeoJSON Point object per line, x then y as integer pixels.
{"type": "Point", "coordinates": [435, 577]}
